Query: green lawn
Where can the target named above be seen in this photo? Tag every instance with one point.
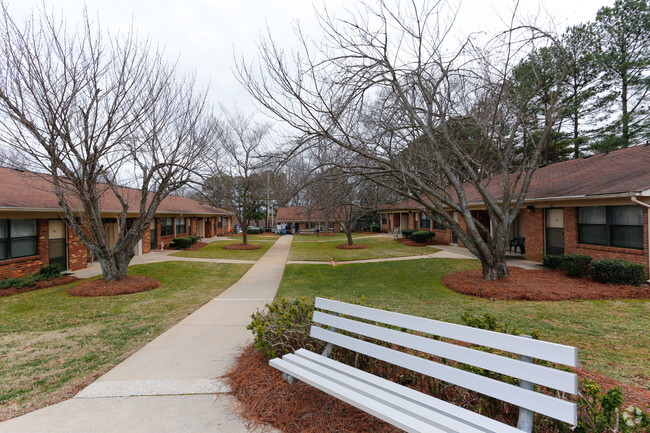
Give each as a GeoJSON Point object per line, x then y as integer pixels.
{"type": "Point", "coordinates": [378, 247]}
{"type": "Point", "coordinates": [214, 251]}
{"type": "Point", "coordinates": [612, 336]}
{"type": "Point", "coordinates": [52, 343]}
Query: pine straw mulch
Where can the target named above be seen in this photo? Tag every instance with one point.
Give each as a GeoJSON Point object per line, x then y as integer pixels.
{"type": "Point", "coordinates": [265, 399]}
{"type": "Point", "coordinates": [58, 281]}
{"type": "Point", "coordinates": [196, 246]}
{"type": "Point", "coordinates": [241, 247]}
{"type": "Point", "coordinates": [412, 243]}
{"type": "Point", "coordinates": [539, 285]}
{"type": "Point", "coordinates": [129, 285]}
{"type": "Point", "coordinates": [351, 247]}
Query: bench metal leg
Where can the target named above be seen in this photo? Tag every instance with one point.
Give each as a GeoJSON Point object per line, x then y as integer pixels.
{"type": "Point", "coordinates": [526, 416]}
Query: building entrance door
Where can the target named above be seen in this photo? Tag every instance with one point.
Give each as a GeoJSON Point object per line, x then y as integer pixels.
{"type": "Point", "coordinates": [554, 231]}
{"type": "Point", "coordinates": [57, 244]}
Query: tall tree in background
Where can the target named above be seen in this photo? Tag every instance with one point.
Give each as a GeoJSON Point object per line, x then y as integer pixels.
{"type": "Point", "coordinates": [93, 112]}
{"type": "Point", "coordinates": [389, 79]}
{"type": "Point", "coordinates": [236, 162]}
{"type": "Point", "coordinates": [624, 58]}
{"type": "Point", "coordinates": [582, 84]}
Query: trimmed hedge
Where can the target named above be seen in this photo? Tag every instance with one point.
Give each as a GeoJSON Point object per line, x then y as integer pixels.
{"type": "Point", "coordinates": [575, 265]}
{"type": "Point", "coordinates": [50, 271]}
{"type": "Point", "coordinates": [182, 243]}
{"type": "Point", "coordinates": [268, 230]}
{"type": "Point", "coordinates": [422, 236]}
{"type": "Point", "coordinates": [408, 232]}
{"type": "Point", "coordinates": [45, 273]}
{"type": "Point", "coordinates": [254, 231]}
{"type": "Point", "coordinates": [194, 239]}
{"type": "Point", "coordinates": [617, 272]}
{"type": "Point", "coordinates": [552, 261]}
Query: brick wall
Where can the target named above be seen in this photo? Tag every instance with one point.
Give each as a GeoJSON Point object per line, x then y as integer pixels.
{"type": "Point", "coordinates": [77, 252]}
{"type": "Point", "coordinates": [209, 227]}
{"type": "Point", "coordinates": [146, 242]}
{"type": "Point", "coordinates": [571, 245]}
{"type": "Point", "coordinates": [26, 265]}
{"type": "Point", "coordinates": [534, 233]}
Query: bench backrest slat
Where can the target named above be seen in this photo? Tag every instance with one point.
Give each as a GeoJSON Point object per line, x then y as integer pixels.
{"type": "Point", "coordinates": [558, 353]}
{"type": "Point", "coordinates": [557, 379]}
{"type": "Point", "coordinates": [537, 402]}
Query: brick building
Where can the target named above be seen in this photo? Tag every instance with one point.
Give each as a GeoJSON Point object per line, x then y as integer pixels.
{"type": "Point", "coordinates": [304, 219]}
{"type": "Point", "coordinates": [597, 205]}
{"type": "Point", "coordinates": [34, 233]}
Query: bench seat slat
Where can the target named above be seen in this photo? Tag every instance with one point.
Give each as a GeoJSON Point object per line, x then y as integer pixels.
{"type": "Point", "coordinates": [558, 353]}
{"type": "Point", "coordinates": [471, 418]}
{"type": "Point", "coordinates": [356, 399]}
{"type": "Point", "coordinates": [556, 379]}
{"type": "Point", "coordinates": [544, 404]}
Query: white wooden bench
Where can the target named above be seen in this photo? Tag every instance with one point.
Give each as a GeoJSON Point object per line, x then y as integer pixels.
{"type": "Point", "coordinates": [412, 410]}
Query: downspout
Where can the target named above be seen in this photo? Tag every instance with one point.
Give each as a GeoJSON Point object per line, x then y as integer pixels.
{"type": "Point", "coordinates": [637, 201]}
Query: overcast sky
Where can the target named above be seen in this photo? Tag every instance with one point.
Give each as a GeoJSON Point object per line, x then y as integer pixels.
{"type": "Point", "coordinates": [204, 34]}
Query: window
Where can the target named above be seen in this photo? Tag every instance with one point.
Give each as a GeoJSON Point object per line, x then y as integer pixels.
{"type": "Point", "coordinates": [166, 227]}
{"type": "Point", "coordinates": [219, 222]}
{"type": "Point", "coordinates": [425, 221]}
{"type": "Point", "coordinates": [616, 226]}
{"type": "Point", "coordinates": [437, 225]}
{"type": "Point", "coordinates": [18, 239]}
{"type": "Point", "coordinates": [384, 220]}
{"type": "Point", "coordinates": [180, 225]}
{"type": "Point", "coordinates": [189, 226]}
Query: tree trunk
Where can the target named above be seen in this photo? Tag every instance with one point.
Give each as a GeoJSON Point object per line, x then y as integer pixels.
{"type": "Point", "coordinates": [114, 266]}
{"type": "Point", "coordinates": [625, 117]}
{"type": "Point", "coordinates": [348, 233]}
{"type": "Point", "coordinates": [494, 269]}
{"type": "Point", "coordinates": [244, 235]}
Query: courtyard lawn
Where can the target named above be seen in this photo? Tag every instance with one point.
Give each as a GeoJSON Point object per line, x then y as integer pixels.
{"type": "Point", "coordinates": [52, 344]}
{"type": "Point", "coordinates": [214, 250]}
{"type": "Point", "coordinates": [611, 336]}
{"type": "Point", "coordinates": [377, 247]}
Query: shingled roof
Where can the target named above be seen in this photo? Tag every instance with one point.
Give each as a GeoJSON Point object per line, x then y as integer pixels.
{"type": "Point", "coordinates": [299, 214]}
{"type": "Point", "coordinates": [619, 172]}
{"type": "Point", "coordinates": [29, 191]}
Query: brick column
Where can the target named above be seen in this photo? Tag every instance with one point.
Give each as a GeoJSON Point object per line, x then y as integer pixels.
{"type": "Point", "coordinates": [77, 252]}
{"type": "Point", "coordinates": [146, 242]}
{"type": "Point", "coordinates": [534, 233]}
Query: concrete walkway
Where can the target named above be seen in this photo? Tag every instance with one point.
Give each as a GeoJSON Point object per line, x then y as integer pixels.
{"type": "Point", "coordinates": [448, 252]}
{"type": "Point", "coordinates": [171, 385]}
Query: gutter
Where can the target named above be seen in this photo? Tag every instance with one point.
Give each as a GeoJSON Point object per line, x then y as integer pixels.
{"type": "Point", "coordinates": [637, 201]}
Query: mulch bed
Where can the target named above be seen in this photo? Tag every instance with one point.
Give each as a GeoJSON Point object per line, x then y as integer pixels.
{"type": "Point", "coordinates": [241, 247]}
{"type": "Point", "coordinates": [59, 281]}
{"type": "Point", "coordinates": [412, 243]}
{"type": "Point", "coordinates": [351, 247]}
{"type": "Point", "coordinates": [298, 408]}
{"type": "Point", "coordinates": [196, 246]}
{"type": "Point", "coordinates": [539, 285]}
{"type": "Point", "coordinates": [265, 399]}
{"type": "Point", "coordinates": [129, 285]}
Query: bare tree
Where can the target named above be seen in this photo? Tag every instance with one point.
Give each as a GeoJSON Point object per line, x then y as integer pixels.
{"type": "Point", "coordinates": [438, 121]}
{"type": "Point", "coordinates": [93, 114]}
{"type": "Point", "coordinates": [238, 161]}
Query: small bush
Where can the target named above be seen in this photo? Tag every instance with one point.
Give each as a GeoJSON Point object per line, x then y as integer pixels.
{"type": "Point", "coordinates": [268, 230]}
{"type": "Point", "coordinates": [182, 243]}
{"type": "Point", "coordinates": [20, 282]}
{"type": "Point", "coordinates": [552, 261]}
{"type": "Point", "coordinates": [408, 232]}
{"type": "Point", "coordinates": [575, 265]}
{"type": "Point", "coordinates": [193, 239]}
{"type": "Point", "coordinates": [375, 228]}
{"type": "Point", "coordinates": [600, 412]}
{"type": "Point", "coordinates": [253, 231]}
{"type": "Point", "coordinates": [283, 327]}
{"type": "Point", "coordinates": [617, 272]}
{"type": "Point", "coordinates": [50, 271]}
{"type": "Point", "coordinates": [422, 236]}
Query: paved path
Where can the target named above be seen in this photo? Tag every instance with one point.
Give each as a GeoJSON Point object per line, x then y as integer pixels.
{"type": "Point", "coordinates": [448, 252]}
{"type": "Point", "coordinates": [171, 385]}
